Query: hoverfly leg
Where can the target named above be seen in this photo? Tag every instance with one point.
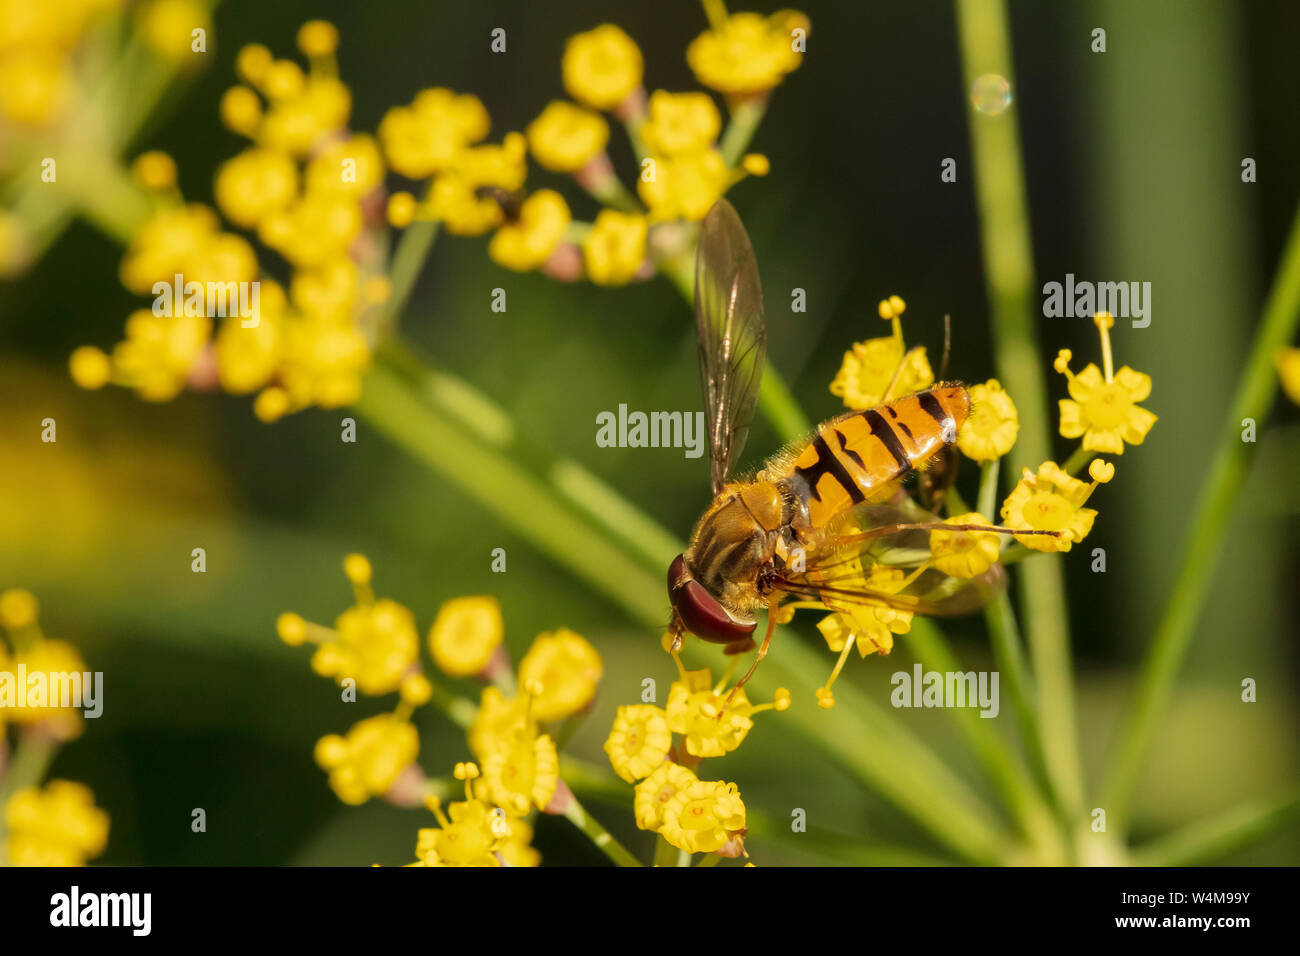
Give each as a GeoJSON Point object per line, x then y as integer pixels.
{"type": "Point", "coordinates": [762, 653]}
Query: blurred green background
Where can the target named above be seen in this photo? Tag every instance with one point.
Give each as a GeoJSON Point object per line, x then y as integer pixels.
{"type": "Point", "coordinates": [1133, 161]}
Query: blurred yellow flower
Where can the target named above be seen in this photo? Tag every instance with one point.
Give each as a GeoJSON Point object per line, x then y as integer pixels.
{"type": "Point", "coordinates": [528, 242]}
{"type": "Point", "coordinates": [376, 644]}
{"type": "Point", "coordinates": [455, 203]}
{"type": "Point", "coordinates": [368, 760]}
{"type": "Point", "coordinates": [501, 165]}
{"type": "Point", "coordinates": [680, 123]}
{"type": "Point", "coordinates": [254, 184]}
{"type": "Point", "coordinates": [564, 137]}
{"type": "Point", "coordinates": [601, 67]}
{"type": "Point", "coordinates": [615, 247]}
{"type": "Point", "coordinates": [168, 25]}
{"type": "Point", "coordinates": [316, 228]}
{"type": "Point", "coordinates": [465, 634]}
{"type": "Point", "coordinates": [1288, 372]}
{"type": "Point", "coordinates": [35, 701]}
{"type": "Point", "coordinates": [468, 838]}
{"type": "Point", "coordinates": [324, 362]}
{"type": "Point", "coordinates": [994, 423]}
{"type": "Point", "coordinates": [159, 352]}
{"type": "Point", "coordinates": [57, 826]}
{"type": "Point", "coordinates": [424, 138]}
{"type": "Point", "coordinates": [747, 53]}
{"type": "Point", "coordinates": [567, 668]}
{"type": "Point", "coordinates": [496, 721]}
{"type": "Point", "coordinates": [354, 166]}
{"type": "Point", "coordinates": [684, 187]}
{"type": "Point", "coordinates": [964, 554]}
{"type": "Point", "coordinates": [639, 741]}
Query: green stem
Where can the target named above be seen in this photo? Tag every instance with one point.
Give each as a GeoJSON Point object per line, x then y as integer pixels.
{"type": "Point", "coordinates": [1004, 768]}
{"type": "Point", "coordinates": [505, 489]}
{"type": "Point", "coordinates": [745, 118]}
{"type": "Point", "coordinates": [1008, 261]}
{"type": "Point", "coordinates": [1255, 394]}
{"type": "Point", "coordinates": [602, 838]}
{"type": "Point", "coordinates": [26, 768]}
{"type": "Point", "coordinates": [987, 501]}
{"type": "Point", "coordinates": [404, 268]}
{"type": "Point", "coordinates": [665, 853]}
{"type": "Point", "coordinates": [1210, 840]}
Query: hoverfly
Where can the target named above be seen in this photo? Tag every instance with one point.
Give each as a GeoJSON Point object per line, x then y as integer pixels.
{"type": "Point", "coordinates": [821, 510]}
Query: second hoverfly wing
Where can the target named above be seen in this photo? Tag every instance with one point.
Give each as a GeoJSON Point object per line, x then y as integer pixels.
{"type": "Point", "coordinates": [732, 336]}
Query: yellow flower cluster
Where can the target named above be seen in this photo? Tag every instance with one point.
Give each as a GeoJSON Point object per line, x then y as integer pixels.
{"type": "Point", "coordinates": [31, 650]}
{"type": "Point", "coordinates": [60, 824]}
{"type": "Point", "coordinates": [694, 815]}
{"type": "Point", "coordinates": [313, 193]}
{"type": "Point", "coordinates": [473, 189]}
{"type": "Point", "coordinates": [38, 63]}
{"type": "Point", "coordinates": [374, 647]}
{"type": "Point", "coordinates": [747, 54]}
{"type": "Point", "coordinates": [57, 826]}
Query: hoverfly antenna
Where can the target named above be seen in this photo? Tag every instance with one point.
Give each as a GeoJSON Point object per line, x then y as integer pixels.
{"type": "Point", "coordinates": [947, 346]}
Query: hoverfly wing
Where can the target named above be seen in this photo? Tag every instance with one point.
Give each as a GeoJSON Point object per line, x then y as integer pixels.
{"type": "Point", "coordinates": [732, 336]}
{"type": "Point", "coordinates": [897, 536]}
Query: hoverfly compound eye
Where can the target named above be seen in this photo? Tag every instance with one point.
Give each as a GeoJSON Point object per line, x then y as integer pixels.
{"type": "Point", "coordinates": [699, 610]}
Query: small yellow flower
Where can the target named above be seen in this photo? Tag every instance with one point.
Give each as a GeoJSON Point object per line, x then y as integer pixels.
{"type": "Point", "coordinates": [496, 722]}
{"type": "Point", "coordinates": [18, 609]}
{"type": "Point", "coordinates": [324, 363]}
{"type": "Point", "coordinates": [503, 165]}
{"type": "Point", "coordinates": [522, 773]}
{"type": "Point", "coordinates": [529, 241]}
{"type": "Point", "coordinates": [315, 229]}
{"type": "Point", "coordinates": [424, 138]}
{"type": "Point", "coordinates": [702, 816]}
{"type": "Point", "coordinates": [564, 138]}
{"type": "Point", "coordinates": [639, 741]}
{"type": "Point", "coordinates": [615, 247]}
{"type": "Point", "coordinates": [465, 634]}
{"type": "Point", "coordinates": [869, 367]}
{"type": "Point", "coordinates": [318, 38]}
{"type": "Point", "coordinates": [1103, 408]}
{"type": "Point", "coordinates": [468, 838]}
{"type": "Point", "coordinates": [964, 554]}
{"type": "Point", "coordinates": [695, 710]}
{"type": "Point", "coordinates": [870, 629]}
{"type": "Point", "coordinates": [1288, 372]}
{"type": "Point", "coordinates": [601, 67]}
{"type": "Point", "coordinates": [302, 113]}
{"type": "Point", "coordinates": [154, 170]}
{"type": "Point", "coordinates": [685, 187]}
{"type": "Point", "coordinates": [748, 53]}
{"type": "Point", "coordinates": [255, 183]}
{"type": "Point", "coordinates": [36, 85]}
{"type": "Point", "coordinates": [369, 759]}
{"type": "Point", "coordinates": [993, 425]}
{"type": "Point", "coordinates": [517, 850]}
{"type": "Point", "coordinates": [680, 123]}
{"type": "Point", "coordinates": [454, 202]}
{"type": "Point", "coordinates": [376, 645]}
{"type": "Point", "coordinates": [36, 702]}
{"type": "Point", "coordinates": [567, 668]}
{"type": "Point", "coordinates": [57, 826]}
{"type": "Point", "coordinates": [247, 356]}
{"type": "Point", "coordinates": [1050, 500]}
{"type": "Point", "coordinates": [166, 244]}
{"type": "Point", "coordinates": [354, 166]}
{"type": "Point", "coordinates": [167, 27]}
{"type": "Point", "coordinates": [655, 791]}
{"type": "Point", "coordinates": [241, 111]}
{"type": "Point", "coordinates": [90, 367]}
{"type": "Point", "coordinates": [159, 352]}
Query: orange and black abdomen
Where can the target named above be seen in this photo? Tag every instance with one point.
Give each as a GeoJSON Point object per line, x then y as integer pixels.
{"type": "Point", "coordinates": [860, 456]}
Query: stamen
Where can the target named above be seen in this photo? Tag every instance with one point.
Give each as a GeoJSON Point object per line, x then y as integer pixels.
{"type": "Point", "coordinates": [1104, 321]}
{"type": "Point", "coordinates": [826, 699]}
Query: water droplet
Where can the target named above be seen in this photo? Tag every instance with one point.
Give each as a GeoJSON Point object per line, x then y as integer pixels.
{"type": "Point", "coordinates": [990, 94]}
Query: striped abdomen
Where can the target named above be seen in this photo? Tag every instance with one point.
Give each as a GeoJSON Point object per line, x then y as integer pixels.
{"type": "Point", "coordinates": [860, 455]}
